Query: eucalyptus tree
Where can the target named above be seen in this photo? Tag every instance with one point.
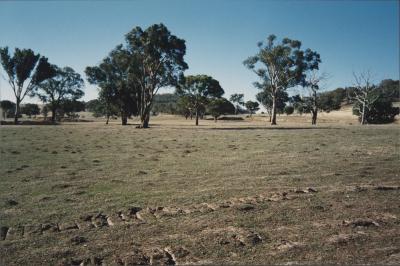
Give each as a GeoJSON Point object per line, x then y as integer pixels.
{"type": "Point", "coordinates": [238, 100]}
{"type": "Point", "coordinates": [156, 61]}
{"type": "Point", "coordinates": [65, 85]}
{"type": "Point", "coordinates": [252, 107]}
{"type": "Point", "coordinates": [117, 89]}
{"type": "Point", "coordinates": [25, 71]}
{"type": "Point", "coordinates": [281, 66]}
{"type": "Point", "coordinates": [198, 91]}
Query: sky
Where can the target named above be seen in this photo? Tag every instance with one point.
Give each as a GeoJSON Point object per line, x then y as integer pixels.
{"type": "Point", "coordinates": [351, 36]}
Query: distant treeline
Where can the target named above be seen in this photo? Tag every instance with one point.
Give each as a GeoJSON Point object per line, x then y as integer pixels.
{"type": "Point", "coordinates": [130, 76]}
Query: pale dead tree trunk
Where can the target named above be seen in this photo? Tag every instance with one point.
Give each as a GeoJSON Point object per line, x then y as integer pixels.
{"type": "Point", "coordinates": [364, 95]}
{"type": "Point", "coordinates": [313, 85]}
{"type": "Point", "coordinates": [273, 111]}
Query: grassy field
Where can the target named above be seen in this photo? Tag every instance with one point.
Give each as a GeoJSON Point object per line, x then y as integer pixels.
{"type": "Point", "coordinates": [232, 192]}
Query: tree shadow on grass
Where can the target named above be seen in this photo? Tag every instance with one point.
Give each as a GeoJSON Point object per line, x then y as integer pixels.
{"type": "Point", "coordinates": [271, 128]}
{"type": "Point", "coordinates": [28, 123]}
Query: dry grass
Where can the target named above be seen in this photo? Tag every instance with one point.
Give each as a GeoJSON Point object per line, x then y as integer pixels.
{"type": "Point", "coordinates": [233, 192]}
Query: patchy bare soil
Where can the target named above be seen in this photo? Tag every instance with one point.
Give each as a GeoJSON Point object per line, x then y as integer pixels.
{"type": "Point", "coordinates": [232, 192]}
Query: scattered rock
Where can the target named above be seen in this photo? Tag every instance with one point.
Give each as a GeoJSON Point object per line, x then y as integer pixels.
{"type": "Point", "coordinates": [245, 207]}
{"type": "Point", "coordinates": [387, 188]}
{"type": "Point", "coordinates": [161, 257]}
{"type": "Point", "coordinates": [67, 226]}
{"type": "Point", "coordinates": [49, 227]}
{"type": "Point", "coordinates": [32, 230]}
{"type": "Point", "coordinates": [76, 240]}
{"type": "Point", "coordinates": [3, 232]}
{"type": "Point", "coordinates": [99, 220]}
{"type": "Point", "coordinates": [14, 233]}
{"type": "Point", "coordinates": [340, 239]}
{"type": "Point", "coordinates": [393, 259]}
{"type": "Point", "coordinates": [11, 202]}
{"type": "Point", "coordinates": [285, 245]}
{"type": "Point", "coordinates": [136, 257]}
{"type": "Point", "coordinates": [360, 222]}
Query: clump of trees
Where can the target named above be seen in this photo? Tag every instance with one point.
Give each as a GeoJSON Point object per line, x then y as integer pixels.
{"type": "Point", "coordinates": [281, 66]}
{"type": "Point", "coordinates": [60, 92]}
{"type": "Point", "coordinates": [197, 91]}
{"type": "Point", "coordinates": [252, 107]}
{"type": "Point", "coordinates": [220, 106]}
{"type": "Point", "coordinates": [8, 108]}
{"type": "Point", "coordinates": [30, 109]}
{"type": "Point", "coordinates": [373, 104]}
{"type": "Point", "coordinates": [131, 75]}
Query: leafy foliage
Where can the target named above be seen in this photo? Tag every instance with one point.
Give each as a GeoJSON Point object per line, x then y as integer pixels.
{"type": "Point", "coordinates": [379, 111]}
{"type": "Point", "coordinates": [8, 108]}
{"type": "Point", "coordinates": [238, 100]}
{"type": "Point", "coordinates": [197, 91]}
{"type": "Point", "coordinates": [281, 66]}
{"type": "Point", "coordinates": [289, 109]}
{"type": "Point", "coordinates": [24, 66]}
{"type": "Point", "coordinates": [220, 106]}
{"type": "Point", "coordinates": [132, 74]}
{"type": "Point", "coordinates": [65, 85]}
{"type": "Point", "coordinates": [252, 107]}
{"type": "Point", "coordinates": [265, 98]}
{"type": "Point", "coordinates": [30, 109]}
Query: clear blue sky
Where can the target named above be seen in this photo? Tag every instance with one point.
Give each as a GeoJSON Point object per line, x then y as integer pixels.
{"type": "Point", "coordinates": [349, 35]}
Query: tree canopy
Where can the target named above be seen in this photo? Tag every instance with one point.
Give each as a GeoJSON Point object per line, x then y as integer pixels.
{"type": "Point", "coordinates": [281, 66]}
{"type": "Point", "coordinates": [25, 71]}
{"type": "Point", "coordinates": [65, 85]}
{"type": "Point", "coordinates": [198, 90]}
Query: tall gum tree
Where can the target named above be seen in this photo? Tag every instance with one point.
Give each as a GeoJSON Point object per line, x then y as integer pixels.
{"type": "Point", "coordinates": [157, 60]}
{"type": "Point", "coordinates": [25, 71]}
{"type": "Point", "coordinates": [281, 66]}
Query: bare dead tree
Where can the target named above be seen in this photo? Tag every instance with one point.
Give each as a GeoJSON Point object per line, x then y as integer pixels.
{"type": "Point", "coordinates": [313, 85]}
{"type": "Point", "coordinates": [364, 94]}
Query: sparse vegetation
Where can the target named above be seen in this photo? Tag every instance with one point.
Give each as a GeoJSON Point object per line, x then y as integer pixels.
{"type": "Point", "coordinates": [329, 193]}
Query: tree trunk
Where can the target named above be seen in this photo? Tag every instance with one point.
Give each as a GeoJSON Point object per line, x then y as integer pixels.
{"type": "Point", "coordinates": [273, 111]}
{"type": "Point", "coordinates": [314, 117]}
{"type": "Point", "coordinates": [108, 119]}
{"type": "Point", "coordinates": [215, 119]}
{"type": "Point", "coordinates": [53, 114]}
{"type": "Point", "coordinates": [145, 120]}
{"type": "Point", "coordinates": [17, 109]}
{"type": "Point", "coordinates": [197, 117]}
{"type": "Point", "coordinates": [124, 118]}
{"type": "Point", "coordinates": [315, 109]}
{"type": "Point", "coordinates": [363, 114]}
